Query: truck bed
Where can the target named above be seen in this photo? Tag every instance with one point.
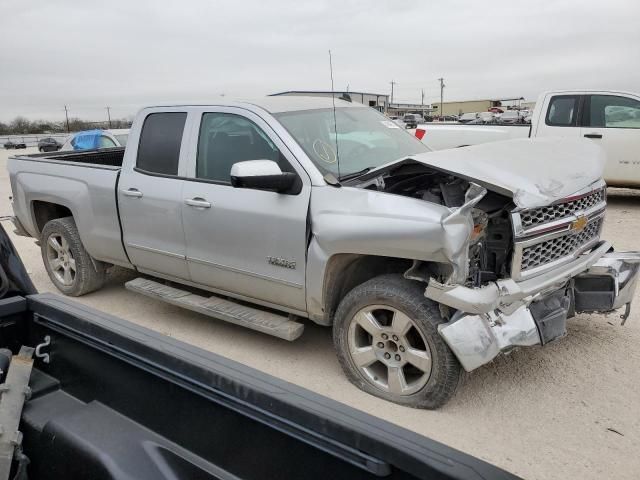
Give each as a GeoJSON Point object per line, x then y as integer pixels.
{"type": "Point", "coordinates": [109, 157]}
{"type": "Point", "coordinates": [84, 183]}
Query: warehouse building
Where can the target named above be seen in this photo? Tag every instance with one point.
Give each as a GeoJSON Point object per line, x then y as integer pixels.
{"type": "Point", "coordinates": [471, 106]}
{"type": "Point", "coordinates": [379, 101]}
{"type": "Point", "coordinates": [401, 109]}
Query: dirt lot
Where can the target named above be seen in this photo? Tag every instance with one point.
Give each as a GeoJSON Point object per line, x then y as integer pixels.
{"type": "Point", "coordinates": [570, 410]}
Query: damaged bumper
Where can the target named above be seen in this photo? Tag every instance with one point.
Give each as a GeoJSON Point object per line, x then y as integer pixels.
{"type": "Point", "coordinates": [508, 314]}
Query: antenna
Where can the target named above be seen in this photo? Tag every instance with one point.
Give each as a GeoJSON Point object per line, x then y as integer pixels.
{"type": "Point", "coordinates": [335, 123]}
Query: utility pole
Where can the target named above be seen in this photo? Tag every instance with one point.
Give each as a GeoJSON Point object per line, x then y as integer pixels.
{"type": "Point", "coordinates": [392, 85]}
{"type": "Point", "coordinates": [109, 115]}
{"type": "Point", "coordinates": [422, 101]}
{"type": "Point", "coordinates": [442, 85]}
{"type": "Point", "coordinates": [66, 115]}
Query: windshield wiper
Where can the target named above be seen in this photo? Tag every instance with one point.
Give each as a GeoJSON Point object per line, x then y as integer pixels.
{"type": "Point", "coordinates": [350, 176]}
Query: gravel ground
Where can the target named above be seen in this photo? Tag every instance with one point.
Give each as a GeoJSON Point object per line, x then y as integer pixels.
{"type": "Point", "coordinates": [570, 410]}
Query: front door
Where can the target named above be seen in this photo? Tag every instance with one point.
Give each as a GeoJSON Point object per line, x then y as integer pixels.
{"type": "Point", "coordinates": [150, 198]}
{"type": "Point", "coordinates": [613, 122]}
{"type": "Point", "coordinates": [247, 242]}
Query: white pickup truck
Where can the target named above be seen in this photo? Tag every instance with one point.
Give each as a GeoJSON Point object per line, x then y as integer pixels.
{"type": "Point", "coordinates": [609, 118]}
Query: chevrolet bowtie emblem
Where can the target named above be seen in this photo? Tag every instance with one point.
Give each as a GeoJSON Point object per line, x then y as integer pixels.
{"type": "Point", "coordinates": [579, 224]}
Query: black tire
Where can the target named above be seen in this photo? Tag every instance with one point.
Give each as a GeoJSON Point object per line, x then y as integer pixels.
{"type": "Point", "coordinates": [407, 297]}
{"type": "Point", "coordinates": [89, 273]}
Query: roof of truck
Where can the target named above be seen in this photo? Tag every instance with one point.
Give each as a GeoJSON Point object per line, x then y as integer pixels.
{"type": "Point", "coordinates": [280, 104]}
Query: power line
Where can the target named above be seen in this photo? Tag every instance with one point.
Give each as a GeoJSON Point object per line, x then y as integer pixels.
{"type": "Point", "coordinates": [442, 85]}
{"type": "Point", "coordinates": [66, 115]}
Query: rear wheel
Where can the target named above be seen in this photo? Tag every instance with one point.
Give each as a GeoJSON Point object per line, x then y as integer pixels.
{"type": "Point", "coordinates": [70, 267]}
{"type": "Point", "coordinates": [386, 337]}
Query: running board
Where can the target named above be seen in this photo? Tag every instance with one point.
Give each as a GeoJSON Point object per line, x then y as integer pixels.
{"type": "Point", "coordinates": [266, 322]}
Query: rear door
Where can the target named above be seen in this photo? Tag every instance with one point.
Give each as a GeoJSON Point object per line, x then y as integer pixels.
{"type": "Point", "coordinates": [247, 242]}
{"type": "Point", "coordinates": [150, 197]}
{"type": "Point", "coordinates": [613, 122]}
{"type": "Point", "coordinates": [560, 116]}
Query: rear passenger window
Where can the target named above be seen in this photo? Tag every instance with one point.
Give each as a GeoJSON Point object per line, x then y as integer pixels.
{"type": "Point", "coordinates": [563, 111]}
{"type": "Point", "coordinates": [160, 140]}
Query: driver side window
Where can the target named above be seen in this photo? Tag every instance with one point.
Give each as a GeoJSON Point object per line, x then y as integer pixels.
{"type": "Point", "coordinates": [225, 139]}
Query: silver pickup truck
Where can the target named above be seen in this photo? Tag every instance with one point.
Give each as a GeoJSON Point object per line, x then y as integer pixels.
{"type": "Point", "coordinates": [267, 213]}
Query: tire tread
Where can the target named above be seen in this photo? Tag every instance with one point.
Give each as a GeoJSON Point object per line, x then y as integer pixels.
{"type": "Point", "coordinates": [90, 273]}
{"type": "Point", "coordinates": [406, 295]}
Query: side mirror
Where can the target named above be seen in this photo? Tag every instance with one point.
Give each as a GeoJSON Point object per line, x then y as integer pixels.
{"type": "Point", "coordinates": [261, 175]}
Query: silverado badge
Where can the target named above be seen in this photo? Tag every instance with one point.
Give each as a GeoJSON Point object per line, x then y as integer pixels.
{"type": "Point", "coordinates": [281, 262]}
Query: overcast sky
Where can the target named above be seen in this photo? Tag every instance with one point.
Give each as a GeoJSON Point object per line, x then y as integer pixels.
{"type": "Point", "coordinates": [132, 53]}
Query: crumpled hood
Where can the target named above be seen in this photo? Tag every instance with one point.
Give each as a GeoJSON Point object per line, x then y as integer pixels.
{"type": "Point", "coordinates": [534, 172]}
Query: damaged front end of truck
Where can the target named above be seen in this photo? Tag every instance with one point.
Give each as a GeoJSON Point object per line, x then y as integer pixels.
{"type": "Point", "coordinates": [524, 248]}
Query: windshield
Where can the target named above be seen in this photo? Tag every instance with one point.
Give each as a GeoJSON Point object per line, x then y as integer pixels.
{"type": "Point", "coordinates": [366, 139]}
{"type": "Point", "coordinates": [122, 139]}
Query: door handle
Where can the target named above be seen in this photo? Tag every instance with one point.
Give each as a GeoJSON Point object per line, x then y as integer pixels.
{"type": "Point", "coordinates": [593, 135]}
{"type": "Point", "coordinates": [198, 202]}
{"type": "Point", "coordinates": [132, 192]}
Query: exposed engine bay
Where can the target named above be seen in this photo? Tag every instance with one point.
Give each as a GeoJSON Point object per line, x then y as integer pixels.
{"type": "Point", "coordinates": [491, 243]}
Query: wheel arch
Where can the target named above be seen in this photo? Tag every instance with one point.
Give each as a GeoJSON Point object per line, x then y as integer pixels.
{"type": "Point", "coordinates": [346, 271]}
{"type": "Point", "coordinates": [44, 211]}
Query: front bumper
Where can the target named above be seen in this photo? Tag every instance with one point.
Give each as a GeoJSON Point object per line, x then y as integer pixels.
{"type": "Point", "coordinates": [508, 314]}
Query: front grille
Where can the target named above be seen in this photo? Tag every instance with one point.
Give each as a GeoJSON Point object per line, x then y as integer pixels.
{"type": "Point", "coordinates": [539, 216]}
{"type": "Point", "coordinates": [559, 247]}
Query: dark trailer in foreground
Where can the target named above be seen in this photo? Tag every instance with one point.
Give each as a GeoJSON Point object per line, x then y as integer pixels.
{"type": "Point", "coordinates": [111, 400]}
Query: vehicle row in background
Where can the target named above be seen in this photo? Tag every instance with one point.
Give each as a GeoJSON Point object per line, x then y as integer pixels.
{"type": "Point", "coordinates": [83, 140]}
{"type": "Point", "coordinates": [10, 145]}
{"type": "Point", "coordinates": [508, 117]}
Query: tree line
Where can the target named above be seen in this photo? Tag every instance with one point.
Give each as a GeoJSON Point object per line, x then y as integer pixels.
{"type": "Point", "coordinates": [22, 126]}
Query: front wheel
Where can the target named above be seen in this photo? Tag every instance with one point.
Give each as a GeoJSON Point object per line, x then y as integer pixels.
{"type": "Point", "coordinates": [386, 337]}
{"type": "Point", "coordinates": [69, 265]}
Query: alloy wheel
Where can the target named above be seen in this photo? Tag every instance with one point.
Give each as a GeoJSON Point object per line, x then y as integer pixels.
{"type": "Point", "coordinates": [60, 258]}
{"type": "Point", "coordinates": [389, 350]}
